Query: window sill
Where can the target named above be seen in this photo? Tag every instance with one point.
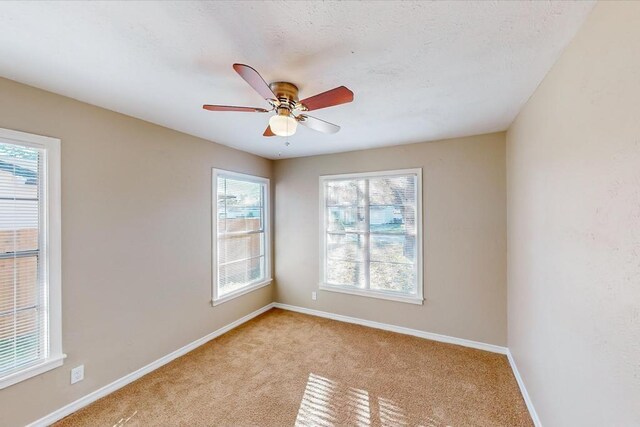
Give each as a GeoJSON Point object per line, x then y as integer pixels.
{"type": "Point", "coordinates": [31, 371]}
{"type": "Point", "coordinates": [241, 292]}
{"type": "Point", "coordinates": [372, 294]}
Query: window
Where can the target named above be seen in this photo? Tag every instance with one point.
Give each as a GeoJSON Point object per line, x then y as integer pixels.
{"type": "Point", "coordinates": [241, 248]}
{"type": "Point", "coordinates": [30, 336]}
{"type": "Point", "coordinates": [371, 240]}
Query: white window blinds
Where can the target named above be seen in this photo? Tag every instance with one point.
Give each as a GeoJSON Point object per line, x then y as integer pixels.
{"type": "Point", "coordinates": [242, 249]}
{"type": "Point", "coordinates": [23, 308]}
{"type": "Point", "coordinates": [30, 310]}
{"type": "Point", "coordinates": [371, 234]}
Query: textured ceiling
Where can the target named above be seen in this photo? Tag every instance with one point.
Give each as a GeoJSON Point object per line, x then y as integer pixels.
{"type": "Point", "coordinates": [420, 71]}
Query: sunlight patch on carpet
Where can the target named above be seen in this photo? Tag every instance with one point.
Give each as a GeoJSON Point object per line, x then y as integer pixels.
{"type": "Point", "coordinates": [327, 403]}
{"type": "Point", "coordinates": [122, 421]}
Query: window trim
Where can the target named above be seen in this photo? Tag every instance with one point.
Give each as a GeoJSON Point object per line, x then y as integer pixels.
{"type": "Point", "coordinates": [51, 250]}
{"type": "Point", "coordinates": [380, 294]}
{"type": "Point", "coordinates": [215, 299]}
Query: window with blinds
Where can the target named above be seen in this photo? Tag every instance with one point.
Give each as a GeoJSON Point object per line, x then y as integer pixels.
{"type": "Point", "coordinates": [371, 234]}
{"type": "Point", "coordinates": [25, 309]}
{"type": "Point", "coordinates": [241, 235]}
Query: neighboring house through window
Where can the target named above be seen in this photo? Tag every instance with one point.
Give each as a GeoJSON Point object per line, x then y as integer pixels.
{"type": "Point", "coordinates": [371, 240]}
{"type": "Point", "coordinates": [30, 317]}
{"type": "Point", "coordinates": [241, 248]}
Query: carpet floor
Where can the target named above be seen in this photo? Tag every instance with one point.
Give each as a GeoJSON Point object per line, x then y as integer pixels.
{"type": "Point", "coordinates": [284, 369]}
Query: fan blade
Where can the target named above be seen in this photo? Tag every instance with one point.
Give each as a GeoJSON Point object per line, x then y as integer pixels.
{"type": "Point", "coordinates": [268, 132]}
{"type": "Point", "coordinates": [317, 124]}
{"type": "Point", "coordinates": [337, 96]}
{"type": "Point", "coordinates": [254, 79]}
{"type": "Point", "coordinates": [232, 108]}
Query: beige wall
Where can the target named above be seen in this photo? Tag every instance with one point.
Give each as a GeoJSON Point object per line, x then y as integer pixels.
{"type": "Point", "coordinates": [573, 159]}
{"type": "Point", "coordinates": [464, 228]}
{"type": "Point", "coordinates": [136, 244]}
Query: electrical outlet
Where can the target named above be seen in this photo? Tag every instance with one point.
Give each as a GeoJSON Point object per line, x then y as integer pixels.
{"type": "Point", "coordinates": [77, 374]}
{"type": "Point", "coordinates": [314, 296]}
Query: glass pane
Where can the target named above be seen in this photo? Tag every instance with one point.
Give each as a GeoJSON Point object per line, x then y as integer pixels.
{"type": "Point", "coordinates": [393, 248]}
{"type": "Point", "coordinates": [20, 319]}
{"type": "Point", "coordinates": [345, 193]}
{"type": "Point", "coordinates": [22, 239]}
{"type": "Point", "coordinates": [240, 247]}
{"type": "Point", "coordinates": [393, 277]}
{"type": "Point", "coordinates": [239, 219]}
{"type": "Point", "coordinates": [18, 225]}
{"type": "Point", "coordinates": [237, 275]}
{"type": "Point", "coordinates": [395, 190]}
{"type": "Point", "coordinates": [19, 280]}
{"type": "Point", "coordinates": [18, 172]}
{"type": "Point", "coordinates": [240, 205]}
{"type": "Point", "coordinates": [239, 193]}
{"type": "Point", "coordinates": [340, 220]}
{"type": "Point", "coordinates": [345, 247]}
{"type": "Point", "coordinates": [392, 219]}
{"type": "Point", "coordinates": [345, 273]}
{"type": "Point", "coordinates": [7, 343]}
{"type": "Point", "coordinates": [18, 198]}
{"type": "Point", "coordinates": [7, 290]}
{"type": "Point", "coordinates": [27, 335]}
{"type": "Point", "coordinates": [19, 339]}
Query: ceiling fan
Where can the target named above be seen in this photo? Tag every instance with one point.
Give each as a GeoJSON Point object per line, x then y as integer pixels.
{"type": "Point", "coordinates": [283, 98]}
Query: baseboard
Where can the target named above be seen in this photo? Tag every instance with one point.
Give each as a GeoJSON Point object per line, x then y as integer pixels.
{"type": "Point", "coordinates": [523, 391]}
{"type": "Point", "coordinates": [428, 335]}
{"type": "Point", "coordinates": [399, 329]}
{"type": "Point", "coordinates": [119, 383]}
{"type": "Point", "coordinates": [127, 379]}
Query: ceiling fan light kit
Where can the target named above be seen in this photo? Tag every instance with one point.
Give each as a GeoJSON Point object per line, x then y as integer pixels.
{"type": "Point", "coordinates": [283, 98]}
{"type": "Point", "coordinates": [283, 125]}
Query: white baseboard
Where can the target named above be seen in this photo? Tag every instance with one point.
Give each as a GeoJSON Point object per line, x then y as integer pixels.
{"type": "Point", "coordinates": [127, 379]}
{"type": "Point", "coordinates": [428, 335]}
{"type": "Point", "coordinates": [119, 383]}
{"type": "Point", "coordinates": [399, 329]}
{"type": "Point", "coordinates": [523, 391]}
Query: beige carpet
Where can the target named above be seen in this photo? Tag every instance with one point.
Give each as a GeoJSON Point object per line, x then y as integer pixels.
{"type": "Point", "coordinates": [284, 369]}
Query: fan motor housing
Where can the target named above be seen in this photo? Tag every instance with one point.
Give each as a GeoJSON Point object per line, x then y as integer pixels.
{"type": "Point", "coordinates": [285, 90]}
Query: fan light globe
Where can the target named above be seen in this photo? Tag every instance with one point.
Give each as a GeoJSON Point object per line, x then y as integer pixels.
{"type": "Point", "coordinates": [283, 125]}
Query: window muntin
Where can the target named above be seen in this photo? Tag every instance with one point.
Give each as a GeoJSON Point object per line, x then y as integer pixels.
{"type": "Point", "coordinates": [370, 234]}
{"type": "Point", "coordinates": [30, 338]}
{"type": "Point", "coordinates": [241, 235]}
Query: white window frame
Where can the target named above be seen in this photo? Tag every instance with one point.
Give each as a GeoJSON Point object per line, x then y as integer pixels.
{"type": "Point", "coordinates": [50, 250]}
{"type": "Point", "coordinates": [381, 294]}
{"type": "Point", "coordinates": [216, 300]}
